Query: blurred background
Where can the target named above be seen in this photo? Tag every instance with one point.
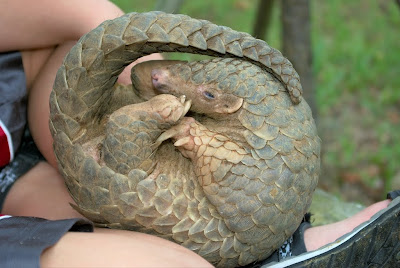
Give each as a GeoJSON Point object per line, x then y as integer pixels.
{"type": "Point", "coordinates": [348, 56]}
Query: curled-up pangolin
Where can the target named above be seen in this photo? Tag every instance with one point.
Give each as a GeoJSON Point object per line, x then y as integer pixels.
{"type": "Point", "coordinates": [221, 156]}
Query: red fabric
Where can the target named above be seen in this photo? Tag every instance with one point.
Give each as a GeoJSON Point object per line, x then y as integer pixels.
{"type": "Point", "coordinates": [2, 216]}
{"type": "Point", "coordinates": [5, 155]}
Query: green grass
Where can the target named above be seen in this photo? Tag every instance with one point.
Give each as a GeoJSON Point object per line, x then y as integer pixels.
{"type": "Point", "coordinates": [356, 66]}
{"type": "Point", "coordinates": [356, 45]}
{"type": "Point", "coordinates": [357, 62]}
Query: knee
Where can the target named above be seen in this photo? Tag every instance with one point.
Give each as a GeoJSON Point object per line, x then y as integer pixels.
{"type": "Point", "coordinates": [33, 61]}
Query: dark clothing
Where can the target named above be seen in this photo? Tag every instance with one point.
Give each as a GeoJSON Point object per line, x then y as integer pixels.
{"type": "Point", "coordinates": [13, 100]}
{"type": "Point", "coordinates": [25, 159]}
{"type": "Point", "coordinates": [18, 153]}
{"type": "Point", "coordinates": [23, 239]}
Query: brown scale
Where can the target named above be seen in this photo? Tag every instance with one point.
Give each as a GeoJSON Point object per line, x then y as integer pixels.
{"type": "Point", "coordinates": [221, 156]}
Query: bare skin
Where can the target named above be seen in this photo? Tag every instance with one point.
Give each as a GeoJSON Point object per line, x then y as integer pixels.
{"type": "Point", "coordinates": [116, 248]}
{"type": "Point", "coordinates": [41, 192]}
{"type": "Point", "coordinates": [319, 236]}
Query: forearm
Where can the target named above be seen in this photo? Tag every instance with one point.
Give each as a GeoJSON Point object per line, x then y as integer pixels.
{"type": "Point", "coordinates": [26, 24]}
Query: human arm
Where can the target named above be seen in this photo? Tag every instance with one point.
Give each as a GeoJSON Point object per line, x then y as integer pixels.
{"type": "Point", "coordinates": [37, 24]}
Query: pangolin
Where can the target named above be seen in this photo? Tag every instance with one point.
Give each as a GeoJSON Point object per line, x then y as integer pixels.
{"type": "Point", "coordinates": [220, 155]}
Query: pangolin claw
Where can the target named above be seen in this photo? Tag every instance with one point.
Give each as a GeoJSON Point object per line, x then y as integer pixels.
{"type": "Point", "coordinates": [182, 98]}
{"type": "Point", "coordinates": [186, 107]}
{"type": "Point", "coordinates": [163, 137]}
{"type": "Point", "coordinates": [182, 141]}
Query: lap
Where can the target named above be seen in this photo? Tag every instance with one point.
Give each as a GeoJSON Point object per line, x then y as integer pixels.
{"type": "Point", "coordinates": [27, 238]}
{"type": "Point", "coordinates": [33, 61]}
{"type": "Point", "coordinates": [121, 249]}
{"type": "Point", "coordinates": [40, 192]}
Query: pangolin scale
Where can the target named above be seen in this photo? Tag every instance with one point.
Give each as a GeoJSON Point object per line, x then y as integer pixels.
{"type": "Point", "coordinates": [231, 186]}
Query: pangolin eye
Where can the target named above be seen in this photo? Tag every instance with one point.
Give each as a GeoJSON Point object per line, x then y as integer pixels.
{"type": "Point", "coordinates": [209, 95]}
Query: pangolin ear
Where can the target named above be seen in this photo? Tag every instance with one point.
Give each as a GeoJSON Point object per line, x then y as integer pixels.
{"type": "Point", "coordinates": [229, 105]}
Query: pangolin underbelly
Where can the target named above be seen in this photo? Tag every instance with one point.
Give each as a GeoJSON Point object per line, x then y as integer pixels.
{"type": "Point", "coordinates": [229, 179]}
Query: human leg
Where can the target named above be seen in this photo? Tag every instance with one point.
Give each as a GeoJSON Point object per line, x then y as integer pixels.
{"type": "Point", "coordinates": [117, 248]}
{"type": "Point", "coordinates": [34, 242]}
{"type": "Point", "coordinates": [46, 23]}
{"type": "Point", "coordinates": [41, 192]}
{"type": "Point", "coordinates": [319, 236]}
{"type": "Point", "coordinates": [25, 238]}
{"type": "Point", "coordinates": [371, 237]}
{"type": "Point", "coordinates": [32, 187]}
{"type": "Point", "coordinates": [39, 93]}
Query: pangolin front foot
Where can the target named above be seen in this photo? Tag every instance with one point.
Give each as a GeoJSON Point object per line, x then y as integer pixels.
{"type": "Point", "coordinates": [172, 110]}
{"type": "Point", "coordinates": [180, 134]}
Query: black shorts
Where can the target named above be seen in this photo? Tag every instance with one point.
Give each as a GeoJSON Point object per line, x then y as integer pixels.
{"type": "Point", "coordinates": [13, 101]}
{"type": "Point", "coordinates": [27, 157]}
{"type": "Point", "coordinates": [23, 239]}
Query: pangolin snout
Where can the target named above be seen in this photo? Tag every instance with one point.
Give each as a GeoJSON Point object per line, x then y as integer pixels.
{"type": "Point", "coordinates": [159, 78]}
